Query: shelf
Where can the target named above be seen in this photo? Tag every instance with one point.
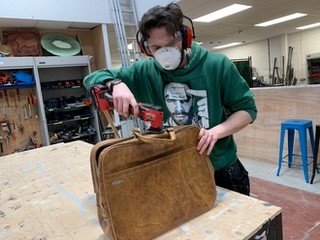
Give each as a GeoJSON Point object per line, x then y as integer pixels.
{"type": "Point", "coordinates": [14, 63]}
{"type": "Point", "coordinates": [49, 89]}
{"type": "Point", "coordinates": [73, 138]}
{"type": "Point", "coordinates": [62, 84]}
{"type": "Point", "coordinates": [69, 121]}
{"type": "Point", "coordinates": [62, 62]}
{"type": "Point", "coordinates": [66, 109]}
{"type": "Point", "coordinates": [16, 86]}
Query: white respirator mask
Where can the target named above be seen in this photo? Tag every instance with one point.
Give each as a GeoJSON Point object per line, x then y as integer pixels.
{"type": "Point", "coordinates": [168, 57]}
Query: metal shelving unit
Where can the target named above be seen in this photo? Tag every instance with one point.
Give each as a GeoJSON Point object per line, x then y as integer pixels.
{"type": "Point", "coordinates": [67, 118]}
{"type": "Point", "coordinates": [313, 62]}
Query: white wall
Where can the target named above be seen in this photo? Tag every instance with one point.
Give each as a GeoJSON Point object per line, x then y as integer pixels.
{"type": "Point", "coordinates": [143, 6]}
{"type": "Point", "coordinates": [93, 11]}
{"type": "Point", "coordinates": [303, 43]}
{"type": "Point", "coordinates": [258, 52]}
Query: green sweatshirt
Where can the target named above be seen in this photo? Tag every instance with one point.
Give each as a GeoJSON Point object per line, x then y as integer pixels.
{"type": "Point", "coordinates": [214, 74]}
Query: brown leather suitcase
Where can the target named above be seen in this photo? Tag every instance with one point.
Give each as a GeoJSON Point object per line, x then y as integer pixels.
{"type": "Point", "coordinates": [148, 184]}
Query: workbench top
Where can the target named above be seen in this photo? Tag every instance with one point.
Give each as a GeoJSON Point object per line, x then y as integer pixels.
{"type": "Point", "coordinates": [47, 193]}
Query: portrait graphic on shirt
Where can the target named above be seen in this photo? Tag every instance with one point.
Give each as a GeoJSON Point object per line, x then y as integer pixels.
{"type": "Point", "coordinates": [186, 106]}
{"type": "Point", "coordinates": [201, 105]}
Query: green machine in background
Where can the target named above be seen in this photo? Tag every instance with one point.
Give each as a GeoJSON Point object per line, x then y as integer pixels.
{"type": "Point", "coordinates": [244, 67]}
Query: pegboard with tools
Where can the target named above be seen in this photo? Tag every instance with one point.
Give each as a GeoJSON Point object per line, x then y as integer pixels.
{"type": "Point", "coordinates": [19, 124]}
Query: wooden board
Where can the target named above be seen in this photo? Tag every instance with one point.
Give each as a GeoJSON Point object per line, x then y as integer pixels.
{"type": "Point", "coordinates": [260, 140]}
{"type": "Point", "coordinates": [47, 193]}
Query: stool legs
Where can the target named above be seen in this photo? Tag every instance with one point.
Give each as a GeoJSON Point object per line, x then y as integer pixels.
{"type": "Point", "coordinates": [311, 138]}
{"type": "Point", "coordinates": [304, 154]}
{"type": "Point", "coordinates": [290, 146]}
{"type": "Point", "coordinates": [280, 150]}
{"type": "Point", "coordinates": [315, 153]}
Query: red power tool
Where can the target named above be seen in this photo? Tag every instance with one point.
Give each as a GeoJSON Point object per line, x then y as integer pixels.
{"type": "Point", "coordinates": [153, 114]}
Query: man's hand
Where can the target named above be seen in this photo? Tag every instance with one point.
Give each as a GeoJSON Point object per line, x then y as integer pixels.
{"type": "Point", "coordinates": [207, 140]}
{"type": "Point", "coordinates": [122, 99]}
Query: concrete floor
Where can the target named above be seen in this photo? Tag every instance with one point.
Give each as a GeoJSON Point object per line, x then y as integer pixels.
{"type": "Point", "coordinates": [290, 177]}
{"type": "Point", "coordinates": [300, 201]}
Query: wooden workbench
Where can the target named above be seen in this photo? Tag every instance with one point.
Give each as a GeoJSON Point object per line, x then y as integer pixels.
{"type": "Point", "coordinates": [47, 193]}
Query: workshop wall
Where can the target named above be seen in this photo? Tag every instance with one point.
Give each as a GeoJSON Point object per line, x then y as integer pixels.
{"type": "Point", "coordinates": [260, 141]}
{"type": "Point", "coordinates": [258, 51]}
{"type": "Point", "coordinates": [303, 43]}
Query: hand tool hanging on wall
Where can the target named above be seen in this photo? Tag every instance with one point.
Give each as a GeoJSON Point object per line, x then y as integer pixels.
{"type": "Point", "coordinates": [5, 126]}
{"type": "Point", "coordinates": [21, 128]}
{"type": "Point", "coordinates": [13, 98]}
{"type": "Point", "coordinates": [3, 108]}
{"type": "Point", "coordinates": [18, 94]}
{"type": "Point", "coordinates": [29, 106]}
{"type": "Point", "coordinates": [25, 112]}
{"type": "Point", "coordinates": [152, 114]}
{"type": "Point", "coordinates": [34, 102]}
{"type": "Point", "coordinates": [1, 146]}
{"type": "Point", "coordinates": [6, 96]}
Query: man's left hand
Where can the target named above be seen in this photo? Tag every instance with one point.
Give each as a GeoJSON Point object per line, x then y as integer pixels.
{"type": "Point", "coordinates": [207, 140]}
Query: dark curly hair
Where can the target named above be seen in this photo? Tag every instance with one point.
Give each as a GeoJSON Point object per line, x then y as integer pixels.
{"type": "Point", "coordinates": [169, 16]}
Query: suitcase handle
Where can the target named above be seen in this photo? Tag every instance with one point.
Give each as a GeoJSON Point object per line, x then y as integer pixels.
{"type": "Point", "coordinates": [168, 137]}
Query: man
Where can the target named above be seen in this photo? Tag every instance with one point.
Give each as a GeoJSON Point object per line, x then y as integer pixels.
{"type": "Point", "coordinates": [176, 60]}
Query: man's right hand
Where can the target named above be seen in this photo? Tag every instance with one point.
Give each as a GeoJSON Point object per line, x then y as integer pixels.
{"type": "Point", "coordinates": [122, 99]}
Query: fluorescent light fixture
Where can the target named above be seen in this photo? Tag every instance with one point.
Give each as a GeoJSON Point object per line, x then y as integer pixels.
{"type": "Point", "coordinates": [313, 25]}
{"type": "Point", "coordinates": [224, 12]}
{"type": "Point", "coordinates": [228, 45]}
{"type": "Point", "coordinates": [281, 19]}
{"type": "Point", "coordinates": [130, 46]}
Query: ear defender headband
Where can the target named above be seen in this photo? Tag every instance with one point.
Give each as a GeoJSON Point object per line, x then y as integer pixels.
{"type": "Point", "coordinates": [187, 34]}
{"type": "Point", "coordinates": [142, 43]}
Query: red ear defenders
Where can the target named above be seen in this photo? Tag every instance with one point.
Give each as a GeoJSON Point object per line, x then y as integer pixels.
{"type": "Point", "coordinates": [187, 34]}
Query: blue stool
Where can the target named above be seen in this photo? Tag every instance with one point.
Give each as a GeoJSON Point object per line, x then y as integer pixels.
{"type": "Point", "coordinates": [301, 126]}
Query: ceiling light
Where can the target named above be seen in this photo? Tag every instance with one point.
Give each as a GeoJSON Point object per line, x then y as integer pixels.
{"type": "Point", "coordinates": [309, 26]}
{"type": "Point", "coordinates": [130, 46]}
{"type": "Point", "coordinates": [227, 45]}
{"type": "Point", "coordinates": [281, 19]}
{"type": "Point", "coordinates": [224, 12]}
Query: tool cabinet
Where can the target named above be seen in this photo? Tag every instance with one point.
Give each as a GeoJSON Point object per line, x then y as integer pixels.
{"type": "Point", "coordinates": [66, 103]}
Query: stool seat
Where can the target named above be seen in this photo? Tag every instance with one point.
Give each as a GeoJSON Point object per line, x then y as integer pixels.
{"type": "Point", "coordinates": [302, 126]}
{"type": "Point", "coordinates": [296, 123]}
